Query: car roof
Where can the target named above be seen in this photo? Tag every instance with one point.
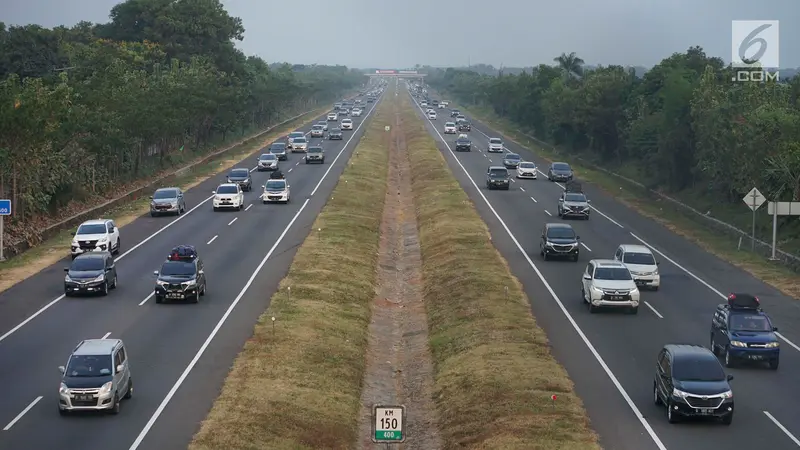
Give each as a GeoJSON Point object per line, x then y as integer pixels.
{"type": "Point", "coordinates": [497, 168]}
{"type": "Point", "coordinates": [279, 144]}
{"type": "Point", "coordinates": [607, 263]}
{"type": "Point", "coordinates": [269, 155]}
{"type": "Point", "coordinates": [96, 346]}
{"type": "Point", "coordinates": [559, 162]}
{"type": "Point", "coordinates": [95, 255]}
{"type": "Point", "coordinates": [228, 184]}
{"type": "Point", "coordinates": [313, 147]}
{"type": "Point", "coordinates": [557, 225]}
{"type": "Point", "coordinates": [679, 350]}
{"type": "Point", "coordinates": [167, 188]}
{"type": "Point", "coordinates": [633, 248]}
{"type": "Point", "coordinates": [511, 154]}
{"type": "Point", "coordinates": [347, 120]}
{"type": "Point", "coordinates": [495, 138]}
{"type": "Point", "coordinates": [95, 222]}
{"type": "Point", "coordinates": [240, 169]}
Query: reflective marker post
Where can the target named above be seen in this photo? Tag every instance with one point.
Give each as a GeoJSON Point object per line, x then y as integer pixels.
{"type": "Point", "coordinates": [5, 210]}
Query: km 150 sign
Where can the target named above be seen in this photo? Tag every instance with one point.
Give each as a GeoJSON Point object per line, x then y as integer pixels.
{"type": "Point", "coordinates": [387, 423]}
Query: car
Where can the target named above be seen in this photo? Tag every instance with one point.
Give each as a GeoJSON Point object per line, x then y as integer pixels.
{"type": "Point", "coordinates": [560, 171]}
{"type": "Point", "coordinates": [454, 112]}
{"type": "Point", "coordinates": [495, 145]}
{"type": "Point", "coordinates": [228, 195]}
{"type": "Point", "coordinates": [317, 131]}
{"type": "Point", "coordinates": [337, 106]}
{"type": "Point", "coordinates": [90, 273]}
{"type": "Point", "coordinates": [511, 160]}
{"type": "Point", "coordinates": [356, 112]}
{"type": "Point", "coordinates": [96, 235]}
{"type": "Point", "coordinates": [279, 150]}
{"type": "Point", "coordinates": [573, 203]}
{"type": "Point", "coordinates": [276, 191]}
{"type": "Point", "coordinates": [241, 176]}
{"type": "Point", "coordinates": [335, 134]}
{"type": "Point", "coordinates": [267, 161]}
{"type": "Point", "coordinates": [344, 112]}
{"type": "Point", "coordinates": [642, 264]}
{"type": "Point", "coordinates": [181, 277]}
{"type": "Point", "coordinates": [497, 178]}
{"type": "Point", "coordinates": [315, 154]}
{"type": "Point", "coordinates": [323, 124]}
{"type": "Point", "coordinates": [460, 118]}
{"type": "Point", "coordinates": [441, 105]}
{"type": "Point", "coordinates": [300, 144]}
{"type": "Point", "coordinates": [435, 102]}
{"type": "Point", "coordinates": [464, 126]}
{"type": "Point", "coordinates": [370, 99]}
{"type": "Point", "coordinates": [741, 331]}
{"type": "Point", "coordinates": [292, 137]}
{"type": "Point", "coordinates": [432, 115]}
{"type": "Point", "coordinates": [559, 240]}
{"type": "Point", "coordinates": [690, 382]}
{"type": "Point", "coordinates": [444, 102]}
{"type": "Point", "coordinates": [167, 200]}
{"type": "Point", "coordinates": [424, 104]}
{"type": "Point", "coordinates": [609, 284]}
{"type": "Point", "coordinates": [449, 128]}
{"type": "Point", "coordinates": [463, 143]}
{"type": "Point", "coordinates": [333, 117]}
{"type": "Point", "coordinates": [97, 377]}
{"type": "Point", "coordinates": [347, 124]}
{"type": "Point", "coordinates": [527, 169]}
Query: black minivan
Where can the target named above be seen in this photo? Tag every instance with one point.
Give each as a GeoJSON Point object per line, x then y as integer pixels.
{"type": "Point", "coordinates": [90, 273]}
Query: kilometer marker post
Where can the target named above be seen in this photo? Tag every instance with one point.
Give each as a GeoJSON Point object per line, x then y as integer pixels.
{"type": "Point", "coordinates": [387, 424]}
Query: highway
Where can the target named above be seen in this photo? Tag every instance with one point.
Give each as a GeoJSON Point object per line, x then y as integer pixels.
{"type": "Point", "coordinates": [179, 353]}
{"type": "Point", "coordinates": [611, 357]}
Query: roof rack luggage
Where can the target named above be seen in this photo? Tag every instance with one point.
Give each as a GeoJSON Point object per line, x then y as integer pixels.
{"type": "Point", "coordinates": [743, 301]}
{"type": "Point", "coordinates": [573, 186]}
{"type": "Point", "coordinates": [183, 253]}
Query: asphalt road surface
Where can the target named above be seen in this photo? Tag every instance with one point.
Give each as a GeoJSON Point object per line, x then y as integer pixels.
{"type": "Point", "coordinates": [611, 357]}
{"type": "Point", "coordinates": [179, 353]}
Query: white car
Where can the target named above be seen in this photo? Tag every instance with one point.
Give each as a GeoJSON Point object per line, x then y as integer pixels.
{"type": "Point", "coordinates": [299, 144]}
{"type": "Point", "coordinates": [432, 115]}
{"type": "Point", "coordinates": [450, 128]}
{"type": "Point", "coordinates": [495, 145]}
{"type": "Point", "coordinates": [642, 264]}
{"type": "Point", "coordinates": [228, 196]}
{"type": "Point", "coordinates": [333, 117]}
{"type": "Point", "coordinates": [442, 105]}
{"type": "Point", "coordinates": [276, 191]}
{"type": "Point", "coordinates": [609, 283]}
{"type": "Point", "coordinates": [424, 104]}
{"type": "Point", "coordinates": [527, 169]}
{"type": "Point", "coordinates": [323, 124]}
{"type": "Point", "coordinates": [356, 112]}
{"type": "Point", "coordinates": [101, 235]}
{"type": "Point", "coordinates": [292, 136]}
{"type": "Point", "coordinates": [445, 103]}
{"type": "Point", "coordinates": [347, 124]}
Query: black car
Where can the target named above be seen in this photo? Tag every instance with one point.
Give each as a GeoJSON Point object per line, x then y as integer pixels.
{"type": "Point", "coordinates": [463, 144]}
{"type": "Point", "coordinates": [691, 382]}
{"type": "Point", "coordinates": [742, 332]}
{"type": "Point", "coordinates": [511, 160]}
{"type": "Point", "coordinates": [241, 176]}
{"type": "Point", "coordinates": [559, 240]}
{"type": "Point", "coordinates": [335, 133]}
{"type": "Point", "coordinates": [181, 276]}
{"type": "Point", "coordinates": [464, 126]}
{"type": "Point", "coordinates": [559, 171]}
{"type": "Point", "coordinates": [90, 273]}
{"type": "Point", "coordinates": [370, 99]}
{"type": "Point", "coordinates": [497, 177]}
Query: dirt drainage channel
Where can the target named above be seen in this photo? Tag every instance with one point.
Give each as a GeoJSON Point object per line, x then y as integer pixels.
{"type": "Point", "coordinates": [399, 369]}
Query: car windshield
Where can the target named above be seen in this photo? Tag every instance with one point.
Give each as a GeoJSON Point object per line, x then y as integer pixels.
{"type": "Point", "coordinates": [317, 127]}
{"type": "Point", "coordinates": [612, 273]}
{"type": "Point", "coordinates": [296, 134]}
{"type": "Point", "coordinates": [276, 185]}
{"type": "Point", "coordinates": [277, 147]}
{"type": "Point", "coordinates": [267, 157]}
{"type": "Point", "coordinates": [347, 121]}
{"type": "Point", "coordinates": [165, 193]}
{"type": "Point", "coordinates": [560, 166]}
{"type": "Point", "coordinates": [495, 141]}
{"type": "Point", "coordinates": [315, 150]}
{"type": "Point", "coordinates": [575, 197]}
{"type": "Point", "coordinates": [300, 140]}
{"type": "Point", "coordinates": [336, 130]}
{"type": "Point", "coordinates": [92, 228]}
{"type": "Point", "coordinates": [450, 124]}
{"type": "Point", "coordinates": [527, 165]}
{"type": "Point", "coordinates": [87, 264]}
{"type": "Point", "coordinates": [512, 156]}
{"type": "Point", "coordinates": [227, 190]}
{"type": "Point", "coordinates": [645, 259]}
{"type": "Point", "coordinates": [561, 233]}
{"type": "Point", "coordinates": [697, 369]}
{"type": "Point", "coordinates": [463, 140]}
{"type": "Point", "coordinates": [742, 322]}
{"type": "Point", "coordinates": [89, 366]}
{"type": "Point", "coordinates": [179, 268]}
{"type": "Point", "coordinates": [239, 173]}
{"type": "Point", "coordinates": [498, 172]}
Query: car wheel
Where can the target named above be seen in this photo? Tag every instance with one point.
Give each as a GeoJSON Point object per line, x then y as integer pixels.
{"type": "Point", "coordinates": [729, 360]}
{"type": "Point", "coordinates": [575, 258]}
{"type": "Point", "coordinates": [671, 416]}
{"type": "Point", "coordinates": [159, 299]}
{"type": "Point", "coordinates": [152, 214]}
{"type": "Point", "coordinates": [773, 364]}
{"type": "Point", "coordinates": [713, 345]}
{"type": "Point", "coordinates": [118, 246]}
{"type": "Point", "coordinates": [545, 256]}
{"type": "Point", "coordinates": [727, 419]}
{"type": "Point", "coordinates": [656, 397]}
{"type": "Point", "coordinates": [104, 292]}
{"type": "Point", "coordinates": [216, 209]}
{"type": "Point", "coordinates": [115, 409]}
{"type": "Point", "coordinates": [114, 286]}
{"type": "Point", "coordinates": [634, 310]}
{"type": "Point", "coordinates": [592, 308]}
{"type": "Point", "coordinates": [63, 412]}
{"type": "Point", "coordinates": [196, 298]}
{"type": "Point", "coordinates": [129, 393]}
{"type": "Point", "coordinates": [264, 201]}
{"type": "Point", "coordinates": [203, 292]}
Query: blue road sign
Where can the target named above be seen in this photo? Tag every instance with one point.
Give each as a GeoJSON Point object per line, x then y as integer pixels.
{"type": "Point", "coordinates": [5, 207]}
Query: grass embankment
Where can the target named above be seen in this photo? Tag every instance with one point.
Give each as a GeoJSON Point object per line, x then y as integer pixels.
{"type": "Point", "coordinates": [674, 218]}
{"type": "Point", "coordinates": [301, 387]}
{"type": "Point", "coordinates": [494, 372]}
{"type": "Point", "coordinates": [50, 251]}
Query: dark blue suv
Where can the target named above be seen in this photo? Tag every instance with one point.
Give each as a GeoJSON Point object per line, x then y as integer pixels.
{"type": "Point", "coordinates": [742, 331]}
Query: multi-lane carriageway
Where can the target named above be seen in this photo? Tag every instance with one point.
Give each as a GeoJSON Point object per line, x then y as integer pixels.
{"type": "Point", "coordinates": [179, 353]}
{"type": "Point", "coordinates": [611, 357]}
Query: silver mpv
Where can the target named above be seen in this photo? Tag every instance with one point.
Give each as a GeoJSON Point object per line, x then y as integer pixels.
{"type": "Point", "coordinates": [97, 377]}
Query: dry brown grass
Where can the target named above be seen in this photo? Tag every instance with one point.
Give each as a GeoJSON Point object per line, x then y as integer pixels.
{"type": "Point", "coordinates": [494, 372]}
{"type": "Point", "coordinates": [300, 388]}
{"type": "Point", "coordinates": [56, 248]}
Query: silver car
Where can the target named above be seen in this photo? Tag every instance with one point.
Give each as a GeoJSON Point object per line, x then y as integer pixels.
{"type": "Point", "coordinates": [299, 144]}
{"type": "Point", "coordinates": [495, 145]}
{"type": "Point", "coordinates": [573, 204]}
{"type": "Point", "coordinates": [267, 161]}
{"type": "Point", "coordinates": [279, 150]}
{"type": "Point", "coordinates": [323, 124]}
{"type": "Point", "coordinates": [96, 378]}
{"type": "Point", "coordinates": [167, 201]}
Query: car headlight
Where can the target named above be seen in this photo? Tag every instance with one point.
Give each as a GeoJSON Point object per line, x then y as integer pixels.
{"type": "Point", "coordinates": [635, 290]}
{"type": "Point", "coordinates": [189, 283]}
{"type": "Point", "coordinates": [727, 394]}
{"type": "Point", "coordinates": [63, 389]}
{"type": "Point", "coordinates": [680, 393]}
{"type": "Point", "coordinates": [100, 277]}
{"type": "Point", "coordinates": [67, 279]}
{"type": "Point", "coordinates": [548, 244]}
{"type": "Point", "coordinates": [597, 290]}
{"type": "Point", "coordinates": [161, 283]}
{"type": "Point", "coordinates": [106, 388]}
{"type": "Point", "coordinates": [102, 240]}
{"type": "Point", "coordinates": [738, 344]}
{"type": "Point", "coordinates": [775, 344]}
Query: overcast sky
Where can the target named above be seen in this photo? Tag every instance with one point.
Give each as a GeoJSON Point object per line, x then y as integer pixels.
{"type": "Point", "coordinates": [380, 33]}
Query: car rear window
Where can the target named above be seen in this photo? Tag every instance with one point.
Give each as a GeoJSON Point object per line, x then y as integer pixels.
{"type": "Point", "coordinates": [495, 141]}
{"type": "Point", "coordinates": [227, 190]}
{"type": "Point", "coordinates": [239, 173]}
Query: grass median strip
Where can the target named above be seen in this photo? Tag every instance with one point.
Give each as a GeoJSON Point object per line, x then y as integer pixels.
{"type": "Point", "coordinates": [494, 375]}
{"type": "Point", "coordinates": [299, 386]}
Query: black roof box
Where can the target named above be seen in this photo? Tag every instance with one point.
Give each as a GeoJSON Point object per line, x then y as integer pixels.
{"type": "Point", "coordinates": [573, 186]}
{"type": "Point", "coordinates": [743, 301]}
{"type": "Point", "coordinates": [182, 253]}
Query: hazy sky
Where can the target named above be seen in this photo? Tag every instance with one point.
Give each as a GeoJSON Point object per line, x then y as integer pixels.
{"type": "Point", "coordinates": [380, 33]}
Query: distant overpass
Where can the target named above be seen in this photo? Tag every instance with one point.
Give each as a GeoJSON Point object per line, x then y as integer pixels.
{"type": "Point", "coordinates": [395, 73]}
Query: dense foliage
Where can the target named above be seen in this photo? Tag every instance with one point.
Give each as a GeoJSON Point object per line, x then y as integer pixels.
{"type": "Point", "coordinates": [683, 125]}
{"type": "Point", "coordinates": [87, 109]}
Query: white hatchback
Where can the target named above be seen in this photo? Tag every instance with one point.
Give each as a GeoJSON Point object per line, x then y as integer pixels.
{"type": "Point", "coordinates": [642, 264]}
{"type": "Point", "coordinates": [432, 115]}
{"type": "Point", "coordinates": [527, 169]}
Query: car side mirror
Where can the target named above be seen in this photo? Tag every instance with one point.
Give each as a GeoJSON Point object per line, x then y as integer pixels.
{"type": "Point", "coordinates": [72, 234]}
{"type": "Point", "coordinates": [588, 201]}
{"type": "Point", "coordinates": [658, 263]}
{"type": "Point", "coordinates": [730, 377]}
{"type": "Point", "coordinates": [213, 192]}
{"type": "Point", "coordinates": [120, 368]}
{"type": "Point", "coordinates": [774, 328]}
{"type": "Point", "coordinates": [108, 269]}
{"type": "Point", "coordinates": [66, 269]}
{"type": "Point", "coordinates": [151, 197]}
{"type": "Point", "coordinates": [577, 237]}
{"type": "Point", "coordinates": [155, 272]}
{"type": "Point", "coordinates": [586, 276]}
{"type": "Point", "coordinates": [62, 369]}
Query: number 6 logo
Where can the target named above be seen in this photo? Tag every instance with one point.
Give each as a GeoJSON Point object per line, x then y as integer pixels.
{"type": "Point", "coordinates": [762, 35]}
{"type": "Point", "coordinates": [750, 40]}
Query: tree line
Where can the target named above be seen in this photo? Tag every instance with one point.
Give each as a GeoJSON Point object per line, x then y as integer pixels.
{"type": "Point", "coordinates": [683, 125]}
{"type": "Point", "coordinates": [89, 108]}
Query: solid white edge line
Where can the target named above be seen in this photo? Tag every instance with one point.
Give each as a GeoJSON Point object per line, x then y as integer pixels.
{"type": "Point", "coordinates": [563, 308]}
{"type": "Point", "coordinates": [585, 246]}
{"type": "Point", "coordinates": [782, 428]}
{"type": "Point", "coordinates": [106, 335]}
{"type": "Point", "coordinates": [149, 296]}
{"type": "Point", "coordinates": [212, 239]}
{"type": "Point", "coordinates": [653, 309]}
{"type": "Point", "coordinates": [213, 334]}
{"type": "Point", "coordinates": [24, 411]}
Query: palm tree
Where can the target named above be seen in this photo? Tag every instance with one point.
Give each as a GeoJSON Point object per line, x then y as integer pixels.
{"type": "Point", "coordinates": [570, 64]}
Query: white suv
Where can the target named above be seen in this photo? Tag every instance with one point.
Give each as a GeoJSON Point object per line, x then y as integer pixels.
{"type": "Point", "coordinates": [96, 235]}
{"type": "Point", "coordinates": [228, 195]}
{"type": "Point", "coordinates": [642, 264]}
{"type": "Point", "coordinates": [608, 283]}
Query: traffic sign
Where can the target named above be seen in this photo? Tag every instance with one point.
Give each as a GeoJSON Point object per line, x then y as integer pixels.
{"type": "Point", "coordinates": [387, 423]}
{"type": "Point", "coordinates": [754, 199]}
{"type": "Point", "coordinates": [5, 207]}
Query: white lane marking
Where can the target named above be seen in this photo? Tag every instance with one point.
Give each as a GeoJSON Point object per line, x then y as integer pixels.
{"type": "Point", "coordinates": [513, 180]}
{"type": "Point", "coordinates": [290, 169]}
{"type": "Point", "coordinates": [249, 206]}
{"type": "Point", "coordinates": [653, 309]}
{"type": "Point", "coordinates": [106, 335]}
{"type": "Point", "coordinates": [231, 222]}
{"type": "Point", "coordinates": [213, 334]}
{"type": "Point", "coordinates": [254, 168]}
{"type": "Point", "coordinates": [548, 213]}
{"type": "Point", "coordinates": [490, 159]}
{"type": "Point", "coordinates": [564, 310]}
{"type": "Point", "coordinates": [522, 189]}
{"type": "Point", "coordinates": [24, 411]}
{"type": "Point", "coordinates": [782, 428]}
{"type": "Point", "coordinates": [534, 200]}
{"type": "Point", "coordinates": [704, 283]}
{"type": "Point", "coordinates": [586, 246]}
{"type": "Point", "coordinates": [212, 239]}
{"type": "Point", "coordinates": [147, 298]}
